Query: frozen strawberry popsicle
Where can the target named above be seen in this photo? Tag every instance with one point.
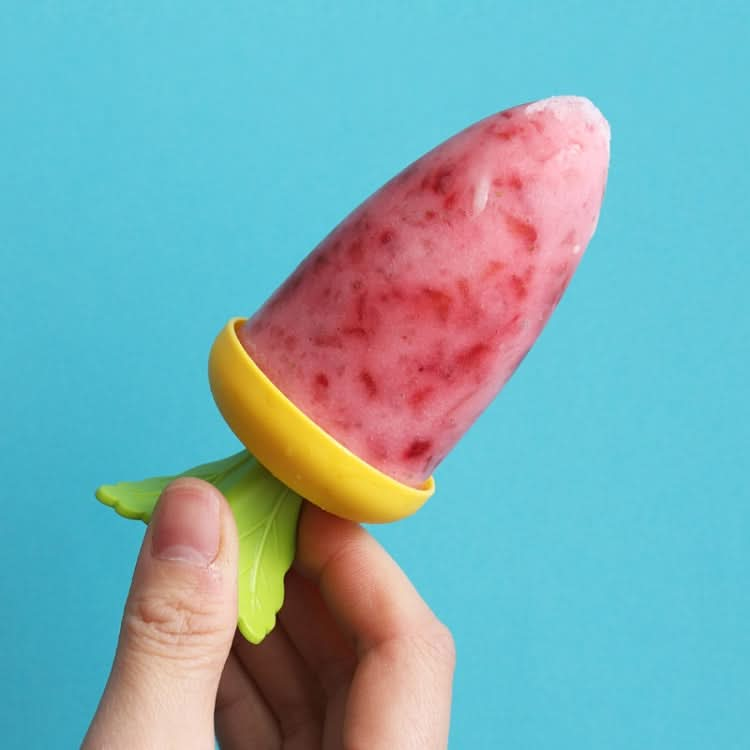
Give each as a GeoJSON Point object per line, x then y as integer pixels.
{"type": "Point", "coordinates": [393, 336]}
{"type": "Point", "coordinates": [404, 323]}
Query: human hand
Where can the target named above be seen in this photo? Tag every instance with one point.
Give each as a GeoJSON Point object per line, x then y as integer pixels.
{"type": "Point", "coordinates": [357, 659]}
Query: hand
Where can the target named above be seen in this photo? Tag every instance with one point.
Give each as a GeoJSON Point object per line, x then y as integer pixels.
{"type": "Point", "coordinates": [357, 659]}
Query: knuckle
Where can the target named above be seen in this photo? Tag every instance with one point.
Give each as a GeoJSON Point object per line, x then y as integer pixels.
{"type": "Point", "coordinates": [170, 626]}
{"type": "Point", "coordinates": [443, 644]}
{"type": "Point", "coordinates": [434, 645]}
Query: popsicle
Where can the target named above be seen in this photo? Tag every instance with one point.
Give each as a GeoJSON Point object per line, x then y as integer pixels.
{"type": "Point", "coordinates": [404, 323]}
{"type": "Point", "coordinates": [366, 366]}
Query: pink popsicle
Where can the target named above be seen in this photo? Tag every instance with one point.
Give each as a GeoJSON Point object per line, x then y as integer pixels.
{"type": "Point", "coordinates": [397, 331]}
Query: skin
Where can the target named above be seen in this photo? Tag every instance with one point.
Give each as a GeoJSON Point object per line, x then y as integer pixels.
{"type": "Point", "coordinates": [357, 659]}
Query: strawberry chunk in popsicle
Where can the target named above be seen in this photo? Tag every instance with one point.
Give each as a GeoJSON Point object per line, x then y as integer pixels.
{"type": "Point", "coordinates": [398, 330]}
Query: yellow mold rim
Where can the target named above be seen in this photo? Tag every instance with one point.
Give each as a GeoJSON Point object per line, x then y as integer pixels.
{"type": "Point", "coordinates": [294, 449]}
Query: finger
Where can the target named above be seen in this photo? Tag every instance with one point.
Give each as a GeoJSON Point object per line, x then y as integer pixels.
{"type": "Point", "coordinates": [179, 621]}
{"type": "Point", "coordinates": [324, 647]}
{"type": "Point", "coordinates": [242, 717]}
{"type": "Point", "coordinates": [316, 634]}
{"type": "Point", "coordinates": [287, 686]}
{"type": "Point", "coordinates": [365, 590]}
{"type": "Point", "coordinates": [402, 687]}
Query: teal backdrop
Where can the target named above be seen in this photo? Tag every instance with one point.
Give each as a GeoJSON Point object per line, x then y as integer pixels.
{"type": "Point", "coordinates": [164, 165]}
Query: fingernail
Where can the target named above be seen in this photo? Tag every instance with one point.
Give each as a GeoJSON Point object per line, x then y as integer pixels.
{"type": "Point", "coordinates": [186, 524]}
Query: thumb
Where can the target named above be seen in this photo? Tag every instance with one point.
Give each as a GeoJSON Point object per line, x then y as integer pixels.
{"type": "Point", "coordinates": [178, 626]}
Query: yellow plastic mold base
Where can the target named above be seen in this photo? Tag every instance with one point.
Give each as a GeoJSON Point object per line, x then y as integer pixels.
{"type": "Point", "coordinates": [294, 449]}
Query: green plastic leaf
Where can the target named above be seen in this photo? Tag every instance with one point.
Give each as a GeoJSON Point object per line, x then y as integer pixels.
{"type": "Point", "coordinates": [136, 500]}
{"type": "Point", "coordinates": [266, 513]}
{"type": "Point", "coordinates": [267, 529]}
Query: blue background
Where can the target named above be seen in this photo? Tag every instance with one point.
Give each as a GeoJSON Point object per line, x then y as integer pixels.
{"type": "Point", "coordinates": [164, 165]}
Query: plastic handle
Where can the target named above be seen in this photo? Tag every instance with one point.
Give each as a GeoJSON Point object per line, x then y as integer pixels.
{"type": "Point", "coordinates": [266, 513]}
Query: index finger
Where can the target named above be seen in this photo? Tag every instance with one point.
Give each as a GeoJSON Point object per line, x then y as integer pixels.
{"type": "Point", "coordinates": [402, 686]}
{"type": "Point", "coordinates": [364, 588]}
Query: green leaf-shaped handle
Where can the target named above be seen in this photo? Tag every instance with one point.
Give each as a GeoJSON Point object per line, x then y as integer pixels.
{"type": "Point", "coordinates": [266, 513]}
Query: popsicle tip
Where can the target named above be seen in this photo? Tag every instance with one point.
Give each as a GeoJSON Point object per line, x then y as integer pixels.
{"type": "Point", "coordinates": [567, 107]}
